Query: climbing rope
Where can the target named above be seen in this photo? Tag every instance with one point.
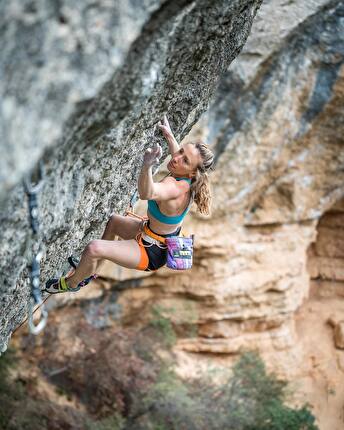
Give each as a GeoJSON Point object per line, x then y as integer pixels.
{"type": "Point", "coordinates": [32, 189]}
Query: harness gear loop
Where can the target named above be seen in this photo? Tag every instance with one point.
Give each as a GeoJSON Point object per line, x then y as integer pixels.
{"type": "Point", "coordinates": [32, 190]}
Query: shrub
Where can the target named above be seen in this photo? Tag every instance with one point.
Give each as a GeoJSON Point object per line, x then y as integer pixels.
{"type": "Point", "coordinates": [251, 399]}
{"type": "Point", "coordinates": [113, 422]}
{"type": "Point", "coordinates": [167, 405]}
{"type": "Point", "coordinates": [9, 392]}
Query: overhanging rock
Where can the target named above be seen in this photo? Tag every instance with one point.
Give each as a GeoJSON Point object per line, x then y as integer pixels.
{"type": "Point", "coordinates": [172, 67]}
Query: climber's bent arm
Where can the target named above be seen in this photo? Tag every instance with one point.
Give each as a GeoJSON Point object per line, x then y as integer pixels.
{"type": "Point", "coordinates": [167, 189]}
{"type": "Point", "coordinates": [145, 184]}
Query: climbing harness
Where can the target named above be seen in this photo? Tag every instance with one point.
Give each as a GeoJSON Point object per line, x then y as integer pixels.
{"type": "Point", "coordinates": [179, 248]}
{"type": "Point", "coordinates": [32, 189]}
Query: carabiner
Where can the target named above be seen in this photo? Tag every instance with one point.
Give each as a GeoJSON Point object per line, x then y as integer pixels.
{"type": "Point", "coordinates": [30, 186]}
{"type": "Point", "coordinates": [35, 329]}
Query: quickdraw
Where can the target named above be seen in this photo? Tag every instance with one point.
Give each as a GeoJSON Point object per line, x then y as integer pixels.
{"type": "Point", "coordinates": [32, 190]}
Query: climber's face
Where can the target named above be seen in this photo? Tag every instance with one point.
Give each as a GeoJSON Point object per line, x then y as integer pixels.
{"type": "Point", "coordinates": [185, 161]}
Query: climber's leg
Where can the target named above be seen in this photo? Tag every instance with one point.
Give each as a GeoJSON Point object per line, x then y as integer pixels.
{"type": "Point", "coordinates": [118, 225]}
{"type": "Point", "coordinates": [126, 253]}
{"type": "Point", "coordinates": [122, 226]}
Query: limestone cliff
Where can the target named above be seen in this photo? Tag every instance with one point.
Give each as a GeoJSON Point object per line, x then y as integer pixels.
{"type": "Point", "coordinates": [269, 262]}
{"type": "Point", "coordinates": [91, 130]}
{"type": "Point", "coordinates": [277, 126]}
{"type": "Point", "coordinates": [279, 168]}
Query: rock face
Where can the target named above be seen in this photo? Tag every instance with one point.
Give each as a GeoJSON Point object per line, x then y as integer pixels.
{"type": "Point", "coordinates": [288, 129]}
{"type": "Point", "coordinates": [281, 148]}
{"type": "Point", "coordinates": [268, 263]}
{"type": "Point", "coordinates": [93, 166]}
{"type": "Point", "coordinates": [326, 255]}
{"type": "Point", "coordinates": [55, 57]}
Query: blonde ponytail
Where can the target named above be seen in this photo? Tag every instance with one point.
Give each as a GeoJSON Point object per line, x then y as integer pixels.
{"type": "Point", "coordinates": [200, 186]}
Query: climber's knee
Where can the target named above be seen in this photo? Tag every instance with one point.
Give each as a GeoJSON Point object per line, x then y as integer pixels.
{"type": "Point", "coordinates": [93, 249]}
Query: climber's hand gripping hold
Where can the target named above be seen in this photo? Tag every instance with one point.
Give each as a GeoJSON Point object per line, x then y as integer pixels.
{"type": "Point", "coordinates": [165, 128]}
{"type": "Point", "coordinates": [152, 155]}
{"type": "Point", "coordinates": [173, 145]}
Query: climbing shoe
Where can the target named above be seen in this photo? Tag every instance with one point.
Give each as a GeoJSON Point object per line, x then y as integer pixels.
{"type": "Point", "coordinates": [59, 285]}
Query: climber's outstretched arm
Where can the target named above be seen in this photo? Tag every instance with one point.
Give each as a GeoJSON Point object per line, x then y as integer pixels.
{"type": "Point", "coordinates": [173, 145]}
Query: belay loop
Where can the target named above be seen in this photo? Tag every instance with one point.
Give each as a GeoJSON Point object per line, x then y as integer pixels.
{"type": "Point", "coordinates": [32, 190]}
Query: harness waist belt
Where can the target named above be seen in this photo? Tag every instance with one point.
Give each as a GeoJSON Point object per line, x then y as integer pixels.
{"type": "Point", "coordinates": [151, 235]}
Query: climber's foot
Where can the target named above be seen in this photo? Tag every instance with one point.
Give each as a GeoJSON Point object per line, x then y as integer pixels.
{"type": "Point", "coordinates": [55, 286]}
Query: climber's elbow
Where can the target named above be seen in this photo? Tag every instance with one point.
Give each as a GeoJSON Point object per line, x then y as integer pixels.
{"type": "Point", "coordinates": [148, 191]}
{"type": "Point", "coordinates": [144, 195]}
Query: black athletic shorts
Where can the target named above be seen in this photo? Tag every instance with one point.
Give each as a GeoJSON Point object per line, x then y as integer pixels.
{"type": "Point", "coordinates": [157, 256]}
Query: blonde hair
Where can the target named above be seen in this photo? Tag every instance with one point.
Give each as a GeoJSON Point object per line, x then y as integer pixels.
{"type": "Point", "coordinates": [200, 186]}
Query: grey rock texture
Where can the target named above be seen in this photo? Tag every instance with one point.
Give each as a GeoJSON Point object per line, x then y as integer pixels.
{"type": "Point", "coordinates": [91, 170]}
{"type": "Point", "coordinates": [55, 55]}
{"type": "Point", "coordinates": [276, 20]}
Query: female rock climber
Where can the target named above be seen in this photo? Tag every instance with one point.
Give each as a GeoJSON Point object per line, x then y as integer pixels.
{"type": "Point", "coordinates": [168, 202]}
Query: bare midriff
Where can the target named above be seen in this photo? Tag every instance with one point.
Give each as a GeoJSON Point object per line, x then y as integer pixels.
{"type": "Point", "coordinates": [165, 207]}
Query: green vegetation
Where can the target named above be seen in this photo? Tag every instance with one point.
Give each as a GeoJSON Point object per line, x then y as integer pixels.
{"type": "Point", "coordinates": [250, 399]}
{"type": "Point", "coordinates": [186, 317]}
{"type": "Point", "coordinates": [163, 325]}
{"type": "Point", "coordinates": [170, 404]}
{"type": "Point", "coordinates": [10, 392]}
{"type": "Point", "coordinates": [113, 422]}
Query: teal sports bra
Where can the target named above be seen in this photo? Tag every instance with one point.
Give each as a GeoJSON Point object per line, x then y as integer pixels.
{"type": "Point", "coordinates": [166, 219]}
